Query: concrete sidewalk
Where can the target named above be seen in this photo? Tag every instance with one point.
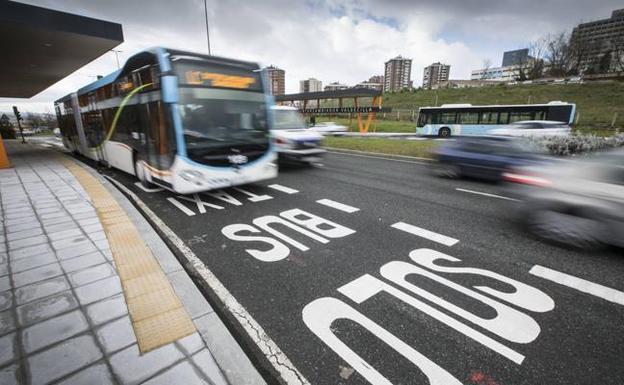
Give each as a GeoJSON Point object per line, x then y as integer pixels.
{"type": "Point", "coordinates": [72, 309]}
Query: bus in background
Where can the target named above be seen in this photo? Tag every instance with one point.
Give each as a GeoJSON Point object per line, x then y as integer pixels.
{"type": "Point", "coordinates": [466, 119]}
{"type": "Point", "coordinates": [183, 121]}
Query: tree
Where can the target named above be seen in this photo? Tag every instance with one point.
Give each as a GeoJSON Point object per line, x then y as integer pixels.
{"type": "Point", "coordinates": [557, 53]}
{"type": "Point", "coordinates": [34, 120]}
{"type": "Point", "coordinates": [6, 128]}
{"type": "Point", "coordinates": [604, 64]}
{"type": "Point", "coordinates": [617, 49]}
{"type": "Point", "coordinates": [49, 121]}
{"type": "Point", "coordinates": [533, 67]}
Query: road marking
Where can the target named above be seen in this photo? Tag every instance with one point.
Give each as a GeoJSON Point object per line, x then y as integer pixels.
{"type": "Point", "coordinates": [179, 205]}
{"type": "Point", "coordinates": [424, 233]}
{"type": "Point", "coordinates": [281, 363]}
{"type": "Point", "coordinates": [384, 158]}
{"type": "Point", "coordinates": [486, 194]}
{"type": "Point", "coordinates": [338, 205]}
{"type": "Point", "coordinates": [579, 284]}
{"type": "Point", "coordinates": [146, 189]}
{"type": "Point", "coordinates": [283, 189]}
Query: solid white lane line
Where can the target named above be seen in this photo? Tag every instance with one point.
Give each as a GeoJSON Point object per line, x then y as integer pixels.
{"type": "Point", "coordinates": [179, 205]}
{"type": "Point", "coordinates": [486, 194]}
{"type": "Point", "coordinates": [283, 189]}
{"type": "Point", "coordinates": [338, 205]}
{"type": "Point", "coordinates": [424, 233]}
{"type": "Point", "coordinates": [579, 284]}
{"type": "Point", "coordinates": [382, 157]}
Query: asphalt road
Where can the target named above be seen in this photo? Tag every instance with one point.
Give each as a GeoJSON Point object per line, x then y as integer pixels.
{"type": "Point", "coordinates": [320, 293]}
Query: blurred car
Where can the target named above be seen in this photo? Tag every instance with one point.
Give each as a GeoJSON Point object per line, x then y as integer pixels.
{"type": "Point", "coordinates": [292, 139]}
{"type": "Point", "coordinates": [57, 132]}
{"type": "Point", "coordinates": [575, 203]}
{"type": "Point", "coordinates": [483, 157]}
{"type": "Point", "coordinates": [533, 128]}
{"type": "Point", "coordinates": [328, 128]}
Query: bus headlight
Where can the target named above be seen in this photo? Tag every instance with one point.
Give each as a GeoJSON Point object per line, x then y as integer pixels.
{"type": "Point", "coordinates": [192, 176]}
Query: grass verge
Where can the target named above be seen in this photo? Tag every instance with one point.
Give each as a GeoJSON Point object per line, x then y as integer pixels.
{"type": "Point", "coordinates": [417, 148]}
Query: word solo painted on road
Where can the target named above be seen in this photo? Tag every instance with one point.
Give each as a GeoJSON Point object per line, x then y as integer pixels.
{"type": "Point", "coordinates": [509, 324]}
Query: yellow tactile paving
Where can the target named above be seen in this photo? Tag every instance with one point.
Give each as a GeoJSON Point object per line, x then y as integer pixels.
{"type": "Point", "coordinates": [157, 314]}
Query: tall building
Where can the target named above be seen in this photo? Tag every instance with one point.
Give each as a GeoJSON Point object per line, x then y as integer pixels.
{"type": "Point", "coordinates": [507, 74]}
{"type": "Point", "coordinates": [435, 74]}
{"type": "Point", "coordinates": [277, 80]}
{"type": "Point", "coordinates": [336, 86]}
{"type": "Point", "coordinates": [376, 79]}
{"type": "Point", "coordinates": [397, 74]}
{"type": "Point", "coordinates": [310, 85]}
{"type": "Point", "coordinates": [600, 43]}
{"type": "Point", "coordinates": [516, 57]}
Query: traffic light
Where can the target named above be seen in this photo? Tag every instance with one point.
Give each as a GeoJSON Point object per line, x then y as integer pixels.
{"type": "Point", "coordinates": [18, 115]}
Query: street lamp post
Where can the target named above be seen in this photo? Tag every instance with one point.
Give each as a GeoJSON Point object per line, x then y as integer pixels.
{"type": "Point", "coordinates": [207, 32]}
{"type": "Point", "coordinates": [116, 56]}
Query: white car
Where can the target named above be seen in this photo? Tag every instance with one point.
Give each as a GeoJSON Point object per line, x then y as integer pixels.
{"type": "Point", "coordinates": [533, 128]}
{"type": "Point", "coordinates": [328, 128]}
{"type": "Point", "coordinates": [292, 139]}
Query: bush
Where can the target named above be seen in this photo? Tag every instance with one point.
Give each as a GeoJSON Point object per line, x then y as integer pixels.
{"type": "Point", "coordinates": [7, 132]}
{"type": "Point", "coordinates": [578, 144]}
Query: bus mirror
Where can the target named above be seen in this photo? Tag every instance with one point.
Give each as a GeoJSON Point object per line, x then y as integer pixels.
{"type": "Point", "coordinates": [169, 85]}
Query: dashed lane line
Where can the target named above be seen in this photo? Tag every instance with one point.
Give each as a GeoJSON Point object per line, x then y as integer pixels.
{"type": "Point", "coordinates": [283, 189]}
{"type": "Point", "coordinates": [338, 205]}
{"type": "Point", "coordinates": [486, 194]}
{"type": "Point", "coordinates": [424, 233]}
{"type": "Point", "coordinates": [579, 284]}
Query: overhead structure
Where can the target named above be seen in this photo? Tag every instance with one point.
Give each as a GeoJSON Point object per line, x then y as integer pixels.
{"type": "Point", "coordinates": [307, 99]}
{"type": "Point", "coordinates": [41, 46]}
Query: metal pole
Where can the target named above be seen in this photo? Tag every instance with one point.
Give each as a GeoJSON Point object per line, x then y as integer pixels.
{"type": "Point", "coordinates": [116, 56]}
{"type": "Point", "coordinates": [207, 32]}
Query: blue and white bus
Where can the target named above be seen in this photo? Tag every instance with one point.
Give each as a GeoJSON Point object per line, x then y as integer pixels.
{"type": "Point", "coordinates": [183, 121]}
{"type": "Point", "coordinates": [466, 119]}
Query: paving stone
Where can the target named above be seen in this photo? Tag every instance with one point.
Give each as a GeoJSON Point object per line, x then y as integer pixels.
{"type": "Point", "coordinates": [9, 375]}
{"type": "Point", "coordinates": [207, 364]}
{"type": "Point", "coordinates": [75, 353]}
{"type": "Point", "coordinates": [193, 300]}
{"type": "Point", "coordinates": [102, 244]}
{"type": "Point", "coordinates": [6, 299]}
{"type": "Point", "coordinates": [53, 330]}
{"type": "Point", "coordinates": [7, 322]}
{"type": "Point", "coordinates": [32, 262]}
{"type": "Point", "coordinates": [95, 227]}
{"type": "Point", "coordinates": [98, 236]}
{"type": "Point", "coordinates": [70, 242]}
{"type": "Point", "coordinates": [45, 308]}
{"type": "Point", "coordinates": [98, 290]}
{"type": "Point", "coordinates": [8, 348]}
{"type": "Point", "coordinates": [55, 221]}
{"type": "Point", "coordinates": [106, 310]}
{"type": "Point", "coordinates": [85, 215]}
{"type": "Point", "coordinates": [19, 221]}
{"type": "Point", "coordinates": [182, 373]}
{"type": "Point", "coordinates": [82, 249]}
{"type": "Point", "coordinates": [60, 227]}
{"type": "Point", "coordinates": [5, 283]}
{"type": "Point", "coordinates": [31, 241]}
{"type": "Point", "coordinates": [41, 289]}
{"type": "Point", "coordinates": [82, 262]}
{"type": "Point", "coordinates": [37, 274]}
{"type": "Point", "coordinates": [89, 221]}
{"type": "Point", "coordinates": [30, 251]}
{"type": "Point", "coordinates": [58, 214]}
{"type": "Point", "coordinates": [22, 226]}
{"type": "Point", "coordinates": [133, 368]}
{"type": "Point", "coordinates": [4, 257]}
{"type": "Point", "coordinates": [97, 374]}
{"type": "Point", "coordinates": [4, 269]}
{"type": "Point", "coordinates": [116, 335]}
{"type": "Point", "coordinates": [191, 344]}
{"type": "Point", "coordinates": [91, 274]}
{"type": "Point", "coordinates": [58, 235]}
{"type": "Point", "coordinates": [25, 234]}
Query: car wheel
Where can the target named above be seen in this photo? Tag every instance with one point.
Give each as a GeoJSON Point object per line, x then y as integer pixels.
{"type": "Point", "coordinates": [566, 229]}
{"type": "Point", "coordinates": [444, 132]}
{"type": "Point", "coordinates": [446, 170]}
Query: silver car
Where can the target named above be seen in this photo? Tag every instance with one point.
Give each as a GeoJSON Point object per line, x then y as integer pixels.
{"type": "Point", "coordinates": [575, 203]}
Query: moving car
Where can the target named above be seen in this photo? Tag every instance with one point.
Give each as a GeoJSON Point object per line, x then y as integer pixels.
{"type": "Point", "coordinates": [534, 128]}
{"type": "Point", "coordinates": [483, 157]}
{"type": "Point", "coordinates": [328, 128]}
{"type": "Point", "coordinates": [575, 203]}
{"type": "Point", "coordinates": [292, 139]}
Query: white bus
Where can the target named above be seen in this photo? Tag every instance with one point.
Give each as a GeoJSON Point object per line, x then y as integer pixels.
{"type": "Point", "coordinates": [183, 121]}
{"type": "Point", "coordinates": [466, 119]}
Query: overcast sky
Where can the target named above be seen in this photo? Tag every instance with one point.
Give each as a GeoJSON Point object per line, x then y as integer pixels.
{"type": "Point", "coordinates": [331, 40]}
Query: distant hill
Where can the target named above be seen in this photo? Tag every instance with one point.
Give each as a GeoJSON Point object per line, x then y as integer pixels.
{"type": "Point", "coordinates": [596, 102]}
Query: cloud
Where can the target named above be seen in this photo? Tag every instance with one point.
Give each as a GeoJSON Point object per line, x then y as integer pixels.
{"type": "Point", "coordinates": [331, 40]}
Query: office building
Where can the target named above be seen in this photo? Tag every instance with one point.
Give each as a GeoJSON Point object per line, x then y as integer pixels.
{"type": "Point", "coordinates": [597, 39]}
{"type": "Point", "coordinates": [370, 85]}
{"type": "Point", "coordinates": [435, 74]}
{"type": "Point", "coordinates": [277, 80]}
{"type": "Point", "coordinates": [397, 75]}
{"type": "Point", "coordinates": [508, 74]}
{"type": "Point", "coordinates": [516, 57]}
{"type": "Point", "coordinates": [310, 85]}
{"type": "Point", "coordinates": [336, 86]}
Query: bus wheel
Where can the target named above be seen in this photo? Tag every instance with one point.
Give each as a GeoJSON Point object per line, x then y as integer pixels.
{"type": "Point", "coordinates": [139, 171]}
{"type": "Point", "coordinates": [444, 132]}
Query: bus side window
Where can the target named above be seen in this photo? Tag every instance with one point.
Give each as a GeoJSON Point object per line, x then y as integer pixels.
{"type": "Point", "coordinates": [503, 117]}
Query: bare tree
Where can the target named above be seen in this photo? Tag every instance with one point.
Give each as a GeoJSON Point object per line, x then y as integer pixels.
{"type": "Point", "coordinates": [34, 120]}
{"type": "Point", "coordinates": [533, 67]}
{"type": "Point", "coordinates": [557, 53]}
{"type": "Point", "coordinates": [487, 64]}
